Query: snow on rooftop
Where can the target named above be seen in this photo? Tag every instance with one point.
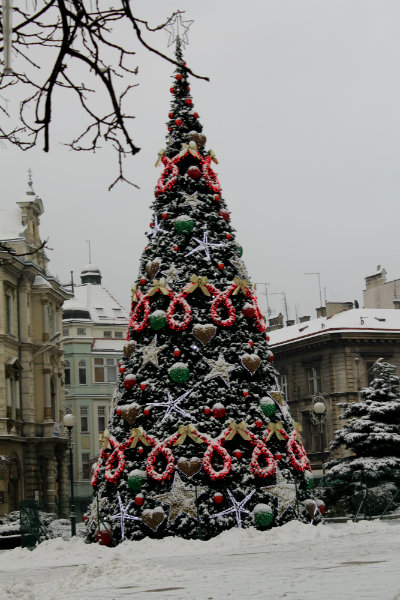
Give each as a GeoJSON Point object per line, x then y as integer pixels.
{"type": "Point", "coordinates": [103, 308]}
{"type": "Point", "coordinates": [101, 345]}
{"type": "Point", "coordinates": [356, 320]}
{"type": "Point", "coordinates": [11, 226]}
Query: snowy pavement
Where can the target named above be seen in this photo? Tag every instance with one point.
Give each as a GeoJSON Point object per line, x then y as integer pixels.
{"type": "Point", "coordinates": [295, 562]}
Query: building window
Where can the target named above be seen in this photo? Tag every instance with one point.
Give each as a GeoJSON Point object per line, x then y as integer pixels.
{"type": "Point", "coordinates": [65, 331]}
{"type": "Point", "coordinates": [105, 370]}
{"type": "Point", "coordinates": [118, 334]}
{"type": "Point", "coordinates": [82, 372]}
{"type": "Point", "coordinates": [314, 380]}
{"type": "Point", "coordinates": [85, 465]}
{"type": "Point", "coordinates": [84, 414]}
{"type": "Point", "coordinates": [9, 312]}
{"type": "Point", "coordinates": [101, 418]}
{"type": "Point", "coordinates": [284, 387]}
{"type": "Point", "coordinates": [107, 334]}
{"type": "Point", "coordinates": [67, 372]}
{"type": "Point", "coordinates": [81, 331]}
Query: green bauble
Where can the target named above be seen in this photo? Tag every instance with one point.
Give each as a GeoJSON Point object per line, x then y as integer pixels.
{"type": "Point", "coordinates": [239, 251]}
{"type": "Point", "coordinates": [136, 479]}
{"type": "Point", "coordinates": [184, 224]}
{"type": "Point", "coordinates": [309, 480]}
{"type": "Point", "coordinates": [179, 372]}
{"type": "Point", "coordinates": [157, 320]}
{"type": "Point", "coordinates": [263, 515]}
{"type": "Point", "coordinates": [268, 406]}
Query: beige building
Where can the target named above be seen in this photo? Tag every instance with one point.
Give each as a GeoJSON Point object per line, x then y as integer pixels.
{"type": "Point", "coordinates": [33, 461]}
{"type": "Point", "coordinates": [380, 293]}
{"type": "Point", "coordinates": [329, 359]}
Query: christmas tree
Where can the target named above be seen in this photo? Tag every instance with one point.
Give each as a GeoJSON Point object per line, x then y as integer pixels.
{"type": "Point", "coordinates": [200, 439]}
{"type": "Point", "coordinates": [372, 434]}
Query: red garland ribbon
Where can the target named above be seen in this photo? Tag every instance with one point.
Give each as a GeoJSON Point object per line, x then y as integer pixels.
{"type": "Point", "coordinates": [170, 170]}
{"type": "Point", "coordinates": [179, 299]}
{"type": "Point", "coordinates": [117, 456]}
{"type": "Point", "coordinates": [209, 175]}
{"type": "Point", "coordinates": [162, 448]}
{"type": "Point", "coordinates": [259, 319]}
{"type": "Point", "coordinates": [215, 446]}
{"type": "Point", "coordinates": [259, 451]}
{"type": "Point", "coordinates": [222, 298]}
{"type": "Point", "coordinates": [99, 464]}
{"type": "Point", "coordinates": [297, 454]}
{"type": "Point", "coordinates": [143, 305]}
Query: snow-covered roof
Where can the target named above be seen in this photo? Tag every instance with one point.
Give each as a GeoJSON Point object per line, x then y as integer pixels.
{"type": "Point", "coordinates": [355, 320]}
{"type": "Point", "coordinates": [11, 227]}
{"type": "Point", "coordinates": [98, 301]}
{"type": "Point", "coordinates": [105, 345]}
{"type": "Point", "coordinates": [40, 281]}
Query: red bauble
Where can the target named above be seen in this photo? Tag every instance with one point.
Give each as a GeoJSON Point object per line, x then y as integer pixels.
{"type": "Point", "coordinates": [143, 386]}
{"type": "Point", "coordinates": [122, 369]}
{"type": "Point", "coordinates": [151, 224]}
{"type": "Point", "coordinates": [251, 343]}
{"type": "Point", "coordinates": [172, 90]}
{"type": "Point", "coordinates": [156, 193]}
{"type": "Point", "coordinates": [194, 172]}
{"type": "Point", "coordinates": [217, 198]}
{"type": "Point", "coordinates": [248, 311]}
{"type": "Point", "coordinates": [189, 101]}
{"type": "Point", "coordinates": [171, 115]}
{"type": "Point", "coordinates": [169, 129]}
{"type": "Point", "coordinates": [207, 410]}
{"type": "Point", "coordinates": [143, 281]}
{"type": "Point", "coordinates": [225, 215]}
{"type": "Point", "coordinates": [177, 352]}
{"type": "Point", "coordinates": [146, 412]}
{"type": "Point", "coordinates": [196, 115]}
{"type": "Point", "coordinates": [164, 216]}
{"type": "Point", "coordinates": [271, 358]}
{"type": "Point", "coordinates": [245, 394]}
{"type": "Point", "coordinates": [218, 411]}
{"type": "Point", "coordinates": [178, 122]}
{"type": "Point", "coordinates": [176, 248]}
{"type": "Point", "coordinates": [84, 518]}
{"type": "Point", "coordinates": [129, 382]}
{"type": "Point", "coordinates": [178, 76]}
{"type": "Point", "coordinates": [139, 500]}
{"type": "Point", "coordinates": [118, 411]}
{"type": "Point", "coordinates": [221, 266]}
{"type": "Point", "coordinates": [267, 338]}
{"type": "Point", "coordinates": [258, 423]}
{"type": "Point", "coordinates": [278, 457]}
{"type": "Point", "coordinates": [238, 453]}
{"type": "Point", "coordinates": [218, 498]}
{"type": "Point", "coordinates": [104, 538]}
{"type": "Point", "coordinates": [228, 236]}
{"type": "Point", "coordinates": [140, 450]}
{"type": "Point", "coordinates": [321, 507]}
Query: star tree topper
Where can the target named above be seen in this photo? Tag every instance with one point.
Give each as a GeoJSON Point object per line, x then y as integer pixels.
{"type": "Point", "coordinates": [181, 499]}
{"type": "Point", "coordinates": [219, 368]}
{"type": "Point", "coordinates": [178, 28]}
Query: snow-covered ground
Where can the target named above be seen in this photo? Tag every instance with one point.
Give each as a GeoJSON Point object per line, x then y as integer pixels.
{"type": "Point", "coordinates": [329, 562]}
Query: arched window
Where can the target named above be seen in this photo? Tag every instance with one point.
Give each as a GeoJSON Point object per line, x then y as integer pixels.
{"type": "Point", "coordinates": [82, 372]}
{"type": "Point", "coordinates": [67, 372]}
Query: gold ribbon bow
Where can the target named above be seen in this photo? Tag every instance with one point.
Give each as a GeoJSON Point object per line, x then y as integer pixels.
{"type": "Point", "coordinates": [191, 147]}
{"type": "Point", "coordinates": [241, 285]}
{"type": "Point", "coordinates": [185, 430]}
{"type": "Point", "coordinates": [213, 157]}
{"type": "Point", "coordinates": [239, 428]}
{"type": "Point", "coordinates": [134, 289]}
{"type": "Point", "coordinates": [298, 427]}
{"type": "Point", "coordinates": [199, 282]}
{"type": "Point", "coordinates": [160, 155]}
{"type": "Point", "coordinates": [105, 439]}
{"type": "Point", "coordinates": [275, 428]}
{"type": "Point", "coordinates": [159, 284]}
{"type": "Point", "coordinates": [138, 435]}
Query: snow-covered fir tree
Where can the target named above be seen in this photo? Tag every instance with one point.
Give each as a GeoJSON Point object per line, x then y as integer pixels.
{"type": "Point", "coordinates": [200, 438]}
{"type": "Point", "coordinates": [372, 434]}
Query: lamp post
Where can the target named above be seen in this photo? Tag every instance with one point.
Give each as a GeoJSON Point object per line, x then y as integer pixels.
{"type": "Point", "coordinates": [319, 417]}
{"type": "Point", "coordinates": [69, 422]}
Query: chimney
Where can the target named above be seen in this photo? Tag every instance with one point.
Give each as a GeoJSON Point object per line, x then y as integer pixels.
{"type": "Point", "coordinates": [305, 318]}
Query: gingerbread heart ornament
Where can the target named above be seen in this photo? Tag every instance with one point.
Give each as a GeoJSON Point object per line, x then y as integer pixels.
{"type": "Point", "coordinates": [204, 333]}
{"type": "Point", "coordinates": [153, 517]}
{"type": "Point", "coordinates": [189, 467]}
{"type": "Point", "coordinates": [152, 267]}
{"type": "Point", "coordinates": [251, 362]}
{"type": "Point", "coordinates": [129, 412]}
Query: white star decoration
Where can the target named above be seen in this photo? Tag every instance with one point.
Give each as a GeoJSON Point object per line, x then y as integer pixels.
{"type": "Point", "coordinates": [219, 368]}
{"type": "Point", "coordinates": [240, 266]}
{"type": "Point", "coordinates": [192, 200]}
{"type": "Point", "coordinates": [178, 28]}
{"type": "Point", "coordinates": [172, 405]}
{"type": "Point", "coordinates": [181, 499]}
{"type": "Point", "coordinates": [237, 508]}
{"type": "Point", "coordinates": [123, 515]}
{"type": "Point", "coordinates": [150, 353]}
{"type": "Point", "coordinates": [156, 228]}
{"type": "Point", "coordinates": [171, 274]}
{"type": "Point", "coordinates": [284, 491]}
{"type": "Point", "coordinates": [204, 244]}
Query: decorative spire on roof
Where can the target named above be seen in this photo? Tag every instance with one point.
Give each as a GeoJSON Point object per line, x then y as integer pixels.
{"type": "Point", "coordinates": [30, 182]}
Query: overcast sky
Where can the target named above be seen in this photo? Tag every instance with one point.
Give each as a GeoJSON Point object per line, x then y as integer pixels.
{"type": "Point", "coordinates": [303, 113]}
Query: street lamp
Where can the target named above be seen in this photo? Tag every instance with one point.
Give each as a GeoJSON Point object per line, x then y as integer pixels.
{"type": "Point", "coordinates": [318, 417]}
{"type": "Point", "coordinates": [69, 422]}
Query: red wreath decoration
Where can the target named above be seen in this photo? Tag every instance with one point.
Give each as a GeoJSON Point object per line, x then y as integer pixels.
{"type": "Point", "coordinates": [297, 454]}
{"type": "Point", "coordinates": [209, 469]}
{"type": "Point", "coordinates": [95, 478]}
{"type": "Point", "coordinates": [259, 319]}
{"type": "Point", "coordinates": [138, 321]}
{"type": "Point", "coordinates": [259, 451]}
{"type": "Point", "coordinates": [179, 300]}
{"type": "Point", "coordinates": [222, 298]}
{"type": "Point", "coordinates": [151, 459]}
{"type": "Point", "coordinates": [169, 176]}
{"type": "Point", "coordinates": [117, 456]}
{"type": "Point", "coordinates": [209, 175]}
